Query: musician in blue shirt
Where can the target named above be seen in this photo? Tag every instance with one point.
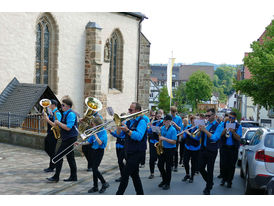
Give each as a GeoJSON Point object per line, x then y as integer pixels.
{"type": "Point", "coordinates": [177, 124]}
{"type": "Point", "coordinates": [210, 136]}
{"type": "Point", "coordinates": [98, 143]}
{"type": "Point", "coordinates": [135, 132]}
{"type": "Point", "coordinates": [168, 138]}
{"type": "Point", "coordinates": [231, 142]}
{"type": "Point", "coordinates": [153, 137]}
{"type": "Point", "coordinates": [50, 140]}
{"type": "Point", "coordinates": [69, 135]}
{"type": "Point", "coordinates": [143, 160]}
{"type": "Point", "coordinates": [120, 150]}
{"type": "Point", "coordinates": [182, 141]}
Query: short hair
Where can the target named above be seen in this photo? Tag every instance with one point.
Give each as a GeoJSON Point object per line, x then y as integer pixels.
{"type": "Point", "coordinates": [211, 110]}
{"type": "Point", "coordinates": [53, 101]}
{"type": "Point", "coordinates": [173, 109]}
{"type": "Point", "coordinates": [138, 106]}
{"type": "Point", "coordinates": [233, 114]}
{"type": "Point", "coordinates": [68, 102]}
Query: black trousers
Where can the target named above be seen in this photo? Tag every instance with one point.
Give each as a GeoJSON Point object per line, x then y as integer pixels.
{"type": "Point", "coordinates": [86, 149]}
{"type": "Point", "coordinates": [70, 158]}
{"type": "Point", "coordinates": [165, 164]}
{"type": "Point", "coordinates": [121, 156]}
{"type": "Point", "coordinates": [152, 157]}
{"type": "Point", "coordinates": [230, 156]}
{"type": "Point", "coordinates": [207, 159]}
{"type": "Point", "coordinates": [50, 146]}
{"type": "Point", "coordinates": [96, 158]}
{"type": "Point", "coordinates": [221, 150]}
{"type": "Point", "coordinates": [193, 156]}
{"type": "Point", "coordinates": [175, 155]}
{"type": "Point", "coordinates": [182, 149]}
{"type": "Point", "coordinates": [131, 169]}
{"type": "Point", "coordinates": [143, 159]}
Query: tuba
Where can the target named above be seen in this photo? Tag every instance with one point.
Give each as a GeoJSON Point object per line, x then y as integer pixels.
{"type": "Point", "coordinates": [93, 105]}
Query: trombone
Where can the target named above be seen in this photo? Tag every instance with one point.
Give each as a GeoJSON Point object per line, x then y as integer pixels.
{"type": "Point", "coordinates": [92, 131]}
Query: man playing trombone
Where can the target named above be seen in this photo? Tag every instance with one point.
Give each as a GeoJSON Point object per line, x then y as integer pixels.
{"type": "Point", "coordinates": [135, 145]}
{"type": "Point", "coordinates": [69, 135]}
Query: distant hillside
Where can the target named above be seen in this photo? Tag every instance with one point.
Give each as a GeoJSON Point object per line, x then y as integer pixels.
{"type": "Point", "coordinates": [211, 64]}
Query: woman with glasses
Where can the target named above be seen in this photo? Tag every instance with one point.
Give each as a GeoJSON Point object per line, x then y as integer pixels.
{"type": "Point", "coordinates": [69, 135]}
{"type": "Point", "coordinates": [231, 142]}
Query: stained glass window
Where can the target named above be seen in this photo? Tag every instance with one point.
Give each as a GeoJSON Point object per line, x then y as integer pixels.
{"type": "Point", "coordinates": [38, 54]}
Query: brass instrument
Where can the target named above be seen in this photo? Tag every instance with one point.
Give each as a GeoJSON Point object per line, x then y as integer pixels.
{"type": "Point", "coordinates": [227, 134]}
{"type": "Point", "coordinates": [196, 132]}
{"type": "Point", "coordinates": [92, 104]}
{"type": "Point", "coordinates": [92, 131]}
{"type": "Point", "coordinates": [159, 147]}
{"type": "Point", "coordinates": [45, 103]}
{"type": "Point", "coordinates": [56, 129]}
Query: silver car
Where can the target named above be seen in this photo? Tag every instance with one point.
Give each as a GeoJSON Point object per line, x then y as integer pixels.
{"type": "Point", "coordinates": [246, 137]}
{"type": "Point", "coordinates": [258, 160]}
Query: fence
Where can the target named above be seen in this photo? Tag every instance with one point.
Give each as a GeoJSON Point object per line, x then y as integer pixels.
{"type": "Point", "coordinates": [31, 122]}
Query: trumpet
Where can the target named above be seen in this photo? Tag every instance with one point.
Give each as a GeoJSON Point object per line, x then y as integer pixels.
{"type": "Point", "coordinates": [92, 131]}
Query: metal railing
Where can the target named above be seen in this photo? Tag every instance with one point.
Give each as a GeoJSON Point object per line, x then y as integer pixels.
{"type": "Point", "coordinates": [31, 122]}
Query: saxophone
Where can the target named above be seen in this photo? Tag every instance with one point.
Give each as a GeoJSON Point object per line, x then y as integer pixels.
{"type": "Point", "coordinates": [56, 129]}
{"type": "Point", "coordinates": [159, 146]}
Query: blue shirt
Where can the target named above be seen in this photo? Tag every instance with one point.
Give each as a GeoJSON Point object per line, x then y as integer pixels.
{"type": "Point", "coordinates": [140, 130]}
{"type": "Point", "coordinates": [102, 135]}
{"type": "Point", "coordinates": [70, 118]}
{"type": "Point", "coordinates": [122, 136]}
{"type": "Point", "coordinates": [217, 134]}
{"type": "Point", "coordinates": [229, 141]}
{"type": "Point", "coordinates": [58, 115]}
{"type": "Point", "coordinates": [146, 119]}
{"type": "Point", "coordinates": [197, 137]}
{"type": "Point", "coordinates": [170, 134]}
{"type": "Point", "coordinates": [178, 121]}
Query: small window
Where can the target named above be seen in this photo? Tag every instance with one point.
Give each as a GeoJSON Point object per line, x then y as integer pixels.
{"type": "Point", "coordinates": [256, 138]}
{"type": "Point", "coordinates": [269, 140]}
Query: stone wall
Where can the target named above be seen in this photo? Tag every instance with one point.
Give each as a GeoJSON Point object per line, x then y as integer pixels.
{"type": "Point", "coordinates": [144, 73]}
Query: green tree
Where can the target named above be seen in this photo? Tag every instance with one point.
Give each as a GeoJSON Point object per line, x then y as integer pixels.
{"type": "Point", "coordinates": [164, 100]}
{"type": "Point", "coordinates": [260, 63]}
{"type": "Point", "coordinates": [225, 74]}
{"type": "Point", "coordinates": [180, 98]}
{"type": "Point", "coordinates": [199, 88]}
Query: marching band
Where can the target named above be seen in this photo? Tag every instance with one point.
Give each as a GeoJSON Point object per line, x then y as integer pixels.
{"type": "Point", "coordinates": [198, 138]}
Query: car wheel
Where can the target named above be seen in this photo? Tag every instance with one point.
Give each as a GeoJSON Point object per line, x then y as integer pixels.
{"type": "Point", "coordinates": [242, 173]}
{"type": "Point", "coordinates": [248, 189]}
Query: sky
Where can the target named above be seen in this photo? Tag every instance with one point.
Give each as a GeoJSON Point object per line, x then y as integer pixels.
{"type": "Point", "coordinates": [216, 31]}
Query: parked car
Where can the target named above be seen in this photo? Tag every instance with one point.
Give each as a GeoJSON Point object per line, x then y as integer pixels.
{"type": "Point", "coordinates": [258, 160]}
{"type": "Point", "coordinates": [246, 124]}
{"type": "Point", "coordinates": [246, 137]}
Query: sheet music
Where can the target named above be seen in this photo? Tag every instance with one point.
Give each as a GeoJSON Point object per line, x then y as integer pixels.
{"type": "Point", "coordinates": [198, 122]}
{"type": "Point", "coordinates": [156, 129]}
{"type": "Point", "coordinates": [230, 125]}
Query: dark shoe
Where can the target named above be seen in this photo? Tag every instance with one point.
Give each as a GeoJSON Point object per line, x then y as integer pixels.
{"type": "Point", "coordinates": [186, 178]}
{"type": "Point", "coordinates": [222, 183]}
{"type": "Point", "coordinates": [71, 179]}
{"type": "Point", "coordinates": [104, 187]}
{"type": "Point", "coordinates": [175, 169]}
{"type": "Point", "coordinates": [48, 170]}
{"type": "Point", "coordinates": [220, 176]}
{"type": "Point", "coordinates": [191, 180]}
{"type": "Point", "coordinates": [229, 185]}
{"type": "Point", "coordinates": [151, 176]}
{"type": "Point", "coordinates": [89, 169]}
{"type": "Point", "coordinates": [206, 191]}
{"type": "Point", "coordinates": [161, 184]}
{"type": "Point", "coordinates": [93, 189]}
{"type": "Point", "coordinates": [53, 179]}
{"type": "Point", "coordinates": [118, 180]}
{"type": "Point", "coordinates": [166, 187]}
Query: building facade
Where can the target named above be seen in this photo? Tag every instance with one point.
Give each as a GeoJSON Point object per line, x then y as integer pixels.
{"type": "Point", "coordinates": [78, 54]}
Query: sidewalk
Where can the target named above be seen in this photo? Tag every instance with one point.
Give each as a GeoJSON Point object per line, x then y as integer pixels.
{"type": "Point", "coordinates": [21, 170]}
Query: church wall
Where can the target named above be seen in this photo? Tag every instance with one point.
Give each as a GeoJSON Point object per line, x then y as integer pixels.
{"type": "Point", "coordinates": [17, 53]}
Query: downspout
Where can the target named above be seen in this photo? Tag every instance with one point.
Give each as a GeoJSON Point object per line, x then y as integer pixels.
{"type": "Point", "coordinates": [138, 58]}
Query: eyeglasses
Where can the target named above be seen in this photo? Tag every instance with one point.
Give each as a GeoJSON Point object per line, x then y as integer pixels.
{"type": "Point", "coordinates": [231, 117]}
{"type": "Point", "coordinates": [63, 105]}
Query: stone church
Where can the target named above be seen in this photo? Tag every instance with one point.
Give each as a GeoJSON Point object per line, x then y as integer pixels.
{"type": "Point", "coordinates": [103, 55]}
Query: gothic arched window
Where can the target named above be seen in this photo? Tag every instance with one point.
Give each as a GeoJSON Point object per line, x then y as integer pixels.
{"type": "Point", "coordinates": [116, 61]}
{"type": "Point", "coordinates": [46, 51]}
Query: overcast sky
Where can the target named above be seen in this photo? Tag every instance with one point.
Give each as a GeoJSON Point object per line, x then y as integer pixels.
{"type": "Point", "coordinates": [216, 31]}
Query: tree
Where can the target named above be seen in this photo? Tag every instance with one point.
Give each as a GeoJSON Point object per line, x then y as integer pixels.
{"type": "Point", "coordinates": [199, 88]}
{"type": "Point", "coordinates": [164, 100]}
{"type": "Point", "coordinates": [260, 63]}
{"type": "Point", "coordinates": [180, 98]}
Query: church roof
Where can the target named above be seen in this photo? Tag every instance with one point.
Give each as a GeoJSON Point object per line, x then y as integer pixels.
{"type": "Point", "coordinates": [20, 98]}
